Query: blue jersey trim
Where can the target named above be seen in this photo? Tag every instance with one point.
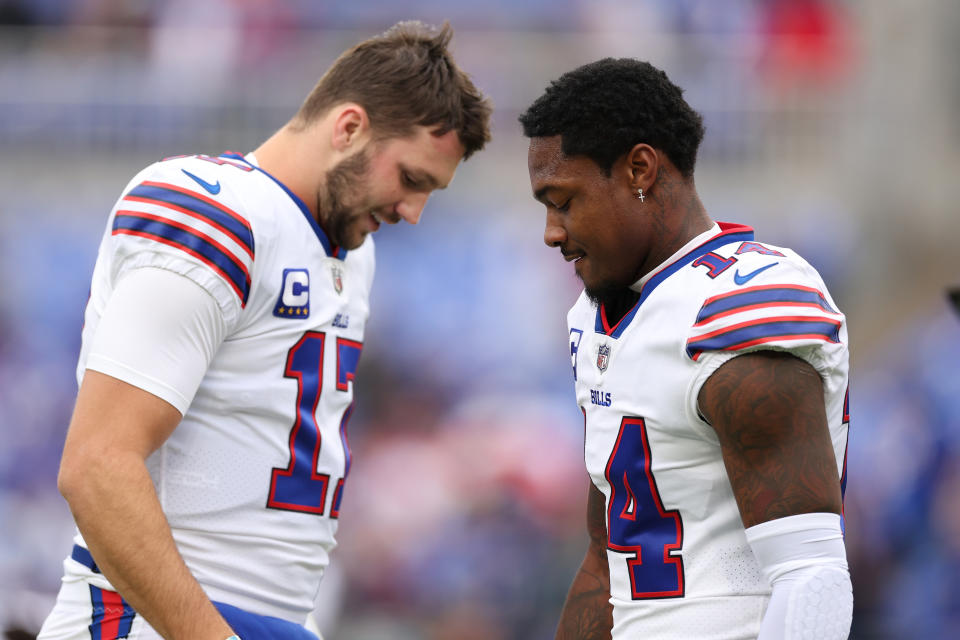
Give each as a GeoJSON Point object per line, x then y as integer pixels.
{"type": "Point", "coordinates": [729, 233]}
{"type": "Point", "coordinates": [763, 296]}
{"type": "Point", "coordinates": [259, 627]}
{"type": "Point", "coordinates": [765, 331]}
{"type": "Point", "coordinates": [81, 555]}
{"type": "Point", "coordinates": [108, 611]}
{"type": "Point", "coordinates": [224, 263]}
{"type": "Point", "coordinates": [216, 215]}
{"type": "Point", "coordinates": [331, 249]}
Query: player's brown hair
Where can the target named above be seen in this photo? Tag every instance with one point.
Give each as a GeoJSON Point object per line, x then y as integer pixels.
{"type": "Point", "coordinates": [405, 77]}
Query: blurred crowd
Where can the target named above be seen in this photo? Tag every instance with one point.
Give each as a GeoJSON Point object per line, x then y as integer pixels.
{"type": "Point", "coordinates": [464, 511]}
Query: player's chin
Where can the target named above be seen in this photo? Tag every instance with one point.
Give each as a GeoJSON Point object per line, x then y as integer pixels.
{"type": "Point", "coordinates": [602, 292]}
{"type": "Point", "coordinates": [591, 281]}
{"type": "Point", "coordinates": [354, 238]}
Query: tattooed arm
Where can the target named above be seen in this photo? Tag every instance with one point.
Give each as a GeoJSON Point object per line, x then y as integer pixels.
{"type": "Point", "coordinates": [767, 408]}
{"type": "Point", "coordinates": [768, 411]}
{"type": "Point", "coordinates": [587, 614]}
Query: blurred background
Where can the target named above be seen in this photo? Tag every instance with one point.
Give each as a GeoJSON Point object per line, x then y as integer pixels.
{"type": "Point", "coordinates": [832, 128]}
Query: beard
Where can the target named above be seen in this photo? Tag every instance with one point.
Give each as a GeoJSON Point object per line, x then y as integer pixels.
{"type": "Point", "coordinates": [616, 300]}
{"type": "Point", "coordinates": [344, 182]}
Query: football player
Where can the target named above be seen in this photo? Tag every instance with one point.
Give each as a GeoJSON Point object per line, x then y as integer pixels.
{"type": "Point", "coordinates": [206, 458]}
{"type": "Point", "coordinates": [711, 369]}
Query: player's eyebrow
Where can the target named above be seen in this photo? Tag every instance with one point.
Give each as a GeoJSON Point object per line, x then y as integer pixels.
{"type": "Point", "coordinates": [542, 191]}
{"type": "Point", "coordinates": [424, 179]}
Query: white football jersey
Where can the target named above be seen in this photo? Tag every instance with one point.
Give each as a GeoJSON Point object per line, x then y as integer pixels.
{"type": "Point", "coordinates": [252, 478]}
{"type": "Point", "coordinates": [680, 565]}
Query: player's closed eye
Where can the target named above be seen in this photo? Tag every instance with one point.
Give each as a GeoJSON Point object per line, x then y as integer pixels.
{"type": "Point", "coordinates": [409, 181]}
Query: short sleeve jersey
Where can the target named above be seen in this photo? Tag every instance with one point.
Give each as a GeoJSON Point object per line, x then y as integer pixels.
{"type": "Point", "coordinates": [680, 564]}
{"type": "Point", "coordinates": [252, 478]}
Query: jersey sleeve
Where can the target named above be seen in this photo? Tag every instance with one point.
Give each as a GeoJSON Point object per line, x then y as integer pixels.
{"type": "Point", "coordinates": [149, 343]}
{"type": "Point", "coordinates": [786, 307]}
{"type": "Point", "coordinates": [176, 216]}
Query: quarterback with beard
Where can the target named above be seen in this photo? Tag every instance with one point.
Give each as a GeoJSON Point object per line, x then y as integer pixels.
{"type": "Point", "coordinates": [206, 457]}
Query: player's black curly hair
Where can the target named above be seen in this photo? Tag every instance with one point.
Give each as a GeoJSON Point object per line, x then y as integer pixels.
{"type": "Point", "coordinates": [604, 108]}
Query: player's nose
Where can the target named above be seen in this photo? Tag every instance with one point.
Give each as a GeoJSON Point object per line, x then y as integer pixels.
{"type": "Point", "coordinates": [411, 207]}
{"type": "Point", "coordinates": [554, 233]}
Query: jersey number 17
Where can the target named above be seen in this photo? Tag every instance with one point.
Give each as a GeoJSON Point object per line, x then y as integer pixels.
{"type": "Point", "coordinates": [299, 487]}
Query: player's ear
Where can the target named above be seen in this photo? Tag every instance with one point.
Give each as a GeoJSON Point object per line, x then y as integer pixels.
{"type": "Point", "coordinates": [642, 163]}
{"type": "Point", "coordinates": [350, 125]}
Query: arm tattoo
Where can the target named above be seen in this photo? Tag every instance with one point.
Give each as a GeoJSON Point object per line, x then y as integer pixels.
{"type": "Point", "coordinates": [597, 521]}
{"type": "Point", "coordinates": [767, 408]}
{"type": "Point", "coordinates": [587, 613]}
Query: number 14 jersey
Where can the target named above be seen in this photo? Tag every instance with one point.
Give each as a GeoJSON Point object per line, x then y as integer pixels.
{"type": "Point", "coordinates": [680, 564]}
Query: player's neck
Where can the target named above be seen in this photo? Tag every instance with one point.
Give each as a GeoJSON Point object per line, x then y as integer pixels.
{"type": "Point", "coordinates": [290, 157]}
{"type": "Point", "coordinates": [682, 220]}
{"type": "Point", "coordinates": [616, 304]}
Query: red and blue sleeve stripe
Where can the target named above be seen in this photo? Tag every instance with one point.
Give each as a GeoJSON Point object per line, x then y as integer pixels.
{"type": "Point", "coordinates": [198, 206]}
{"type": "Point", "coordinates": [765, 330]}
{"type": "Point", "coordinates": [189, 240]}
{"type": "Point", "coordinates": [760, 297]}
{"type": "Point", "coordinates": [112, 616]}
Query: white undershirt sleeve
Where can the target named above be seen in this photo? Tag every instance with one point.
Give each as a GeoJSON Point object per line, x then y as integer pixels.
{"type": "Point", "coordinates": [804, 558]}
{"type": "Point", "coordinates": [159, 332]}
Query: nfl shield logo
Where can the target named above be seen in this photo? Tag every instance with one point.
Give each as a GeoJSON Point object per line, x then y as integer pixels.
{"type": "Point", "coordinates": [337, 274]}
{"type": "Point", "coordinates": [603, 357]}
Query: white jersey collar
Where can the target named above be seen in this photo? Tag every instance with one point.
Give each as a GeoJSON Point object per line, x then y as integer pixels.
{"type": "Point", "coordinates": [682, 251]}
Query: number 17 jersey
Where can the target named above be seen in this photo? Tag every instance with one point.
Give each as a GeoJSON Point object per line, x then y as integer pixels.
{"type": "Point", "coordinates": [680, 565]}
{"type": "Point", "coordinates": [251, 480]}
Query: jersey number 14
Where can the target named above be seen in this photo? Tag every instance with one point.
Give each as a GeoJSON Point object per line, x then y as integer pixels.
{"type": "Point", "coordinates": [637, 523]}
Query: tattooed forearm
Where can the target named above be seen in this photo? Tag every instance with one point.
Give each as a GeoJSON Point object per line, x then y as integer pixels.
{"type": "Point", "coordinates": [587, 613]}
{"type": "Point", "coordinates": [768, 411]}
{"type": "Point", "coordinates": [597, 521]}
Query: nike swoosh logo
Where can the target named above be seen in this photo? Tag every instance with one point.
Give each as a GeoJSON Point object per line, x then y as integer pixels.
{"type": "Point", "coordinates": [213, 189]}
{"type": "Point", "coordinates": [743, 279]}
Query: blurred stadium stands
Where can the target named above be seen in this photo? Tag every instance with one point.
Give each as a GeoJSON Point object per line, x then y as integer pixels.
{"type": "Point", "coordinates": [832, 127]}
